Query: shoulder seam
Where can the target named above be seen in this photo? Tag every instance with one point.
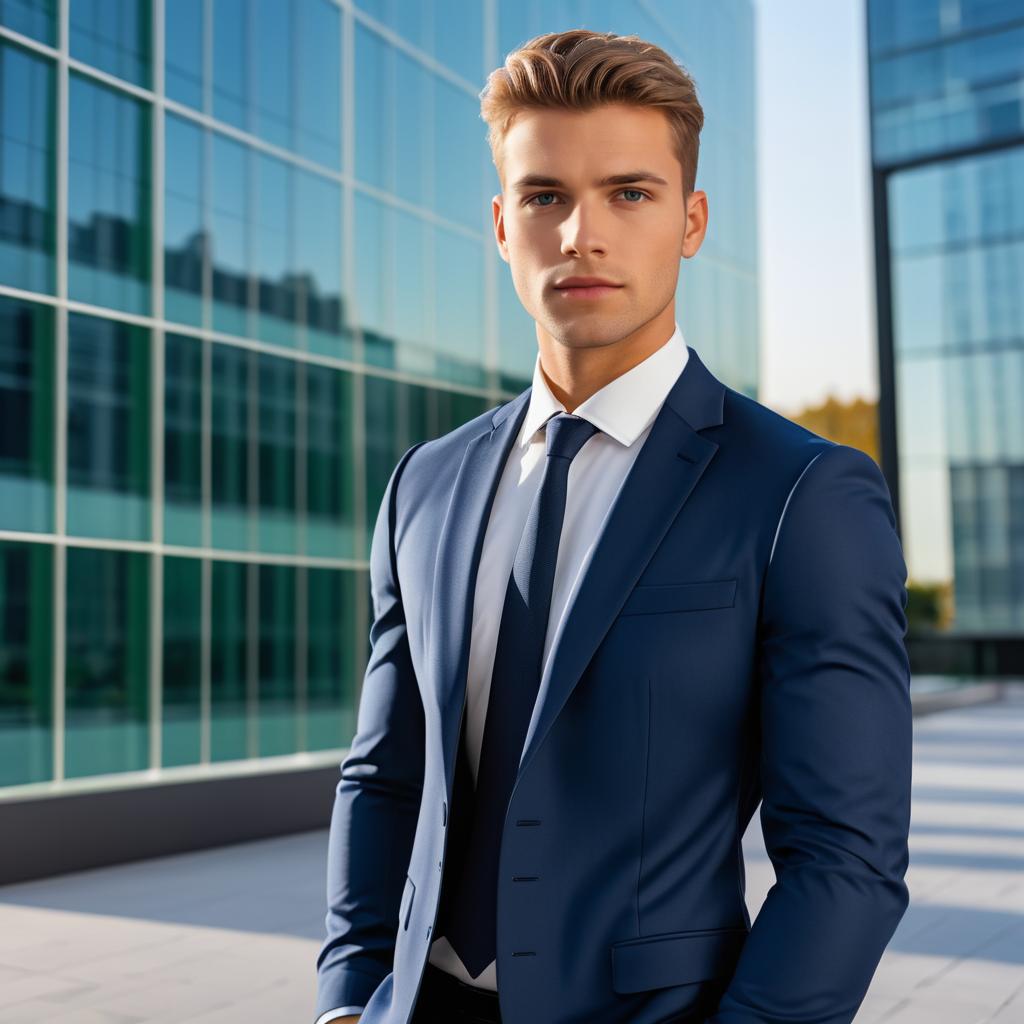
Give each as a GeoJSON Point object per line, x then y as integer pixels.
{"type": "Point", "coordinates": [782, 514]}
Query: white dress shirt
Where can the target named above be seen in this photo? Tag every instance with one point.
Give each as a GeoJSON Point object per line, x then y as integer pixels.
{"type": "Point", "coordinates": [623, 410]}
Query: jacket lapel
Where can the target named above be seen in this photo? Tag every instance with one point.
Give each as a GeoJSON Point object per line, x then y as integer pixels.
{"type": "Point", "coordinates": [458, 558]}
{"type": "Point", "coordinates": [662, 477]}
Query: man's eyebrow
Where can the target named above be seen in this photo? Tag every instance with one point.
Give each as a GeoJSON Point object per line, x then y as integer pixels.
{"type": "Point", "coordinates": [543, 181]}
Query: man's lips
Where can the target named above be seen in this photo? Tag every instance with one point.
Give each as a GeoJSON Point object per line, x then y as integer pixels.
{"type": "Point", "coordinates": [592, 291]}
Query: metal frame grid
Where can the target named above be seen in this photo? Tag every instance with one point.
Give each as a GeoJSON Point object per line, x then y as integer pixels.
{"type": "Point", "coordinates": [159, 104]}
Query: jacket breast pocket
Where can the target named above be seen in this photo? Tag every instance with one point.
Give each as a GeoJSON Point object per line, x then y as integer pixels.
{"type": "Point", "coordinates": [675, 958]}
{"type": "Point", "coordinates": [405, 908]}
{"type": "Point", "coordinates": [651, 598]}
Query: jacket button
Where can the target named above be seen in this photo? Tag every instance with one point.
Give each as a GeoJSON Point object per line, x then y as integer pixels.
{"type": "Point", "coordinates": [444, 813]}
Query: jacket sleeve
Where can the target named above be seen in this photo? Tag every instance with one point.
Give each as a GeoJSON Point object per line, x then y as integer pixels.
{"type": "Point", "coordinates": [377, 799]}
{"type": "Point", "coordinates": [836, 750]}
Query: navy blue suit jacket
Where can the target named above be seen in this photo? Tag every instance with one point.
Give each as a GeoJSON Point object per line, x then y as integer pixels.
{"type": "Point", "coordinates": [738, 637]}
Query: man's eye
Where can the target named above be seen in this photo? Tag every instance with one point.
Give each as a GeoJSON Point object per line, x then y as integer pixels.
{"type": "Point", "coordinates": [541, 195]}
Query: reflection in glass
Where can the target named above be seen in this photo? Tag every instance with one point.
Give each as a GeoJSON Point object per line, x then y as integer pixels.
{"type": "Point", "coordinates": [316, 264]}
{"type": "Point", "coordinates": [34, 18]}
{"type": "Point", "coordinates": [27, 182]}
{"type": "Point", "coordinates": [958, 315]}
{"type": "Point", "coordinates": [229, 446]}
{"type": "Point", "coordinates": [182, 661]}
{"type": "Point", "coordinates": [231, 241]}
{"type": "Point", "coordinates": [26, 668]}
{"type": "Point", "coordinates": [449, 30]}
{"type": "Point", "coordinates": [272, 231]}
{"type": "Point", "coordinates": [107, 670]}
{"type": "Point", "coordinates": [331, 665]}
{"type": "Point", "coordinates": [26, 415]}
{"type": "Point", "coordinates": [114, 36]}
{"type": "Point", "coordinates": [420, 316]}
{"type": "Point", "coordinates": [278, 711]}
{"type": "Point", "coordinates": [108, 428]}
{"type": "Point", "coordinates": [183, 440]}
{"type": "Point", "coordinates": [183, 51]}
{"type": "Point", "coordinates": [459, 308]}
{"type": "Point", "coordinates": [938, 84]}
{"type": "Point", "coordinates": [185, 240]}
{"type": "Point", "coordinates": [397, 416]}
{"type": "Point", "coordinates": [330, 465]}
{"type": "Point", "coordinates": [229, 663]}
{"type": "Point", "coordinates": [280, 79]}
{"type": "Point", "coordinates": [276, 463]}
{"type": "Point", "coordinates": [393, 121]}
{"type": "Point", "coordinates": [108, 198]}
{"type": "Point", "coordinates": [277, 249]}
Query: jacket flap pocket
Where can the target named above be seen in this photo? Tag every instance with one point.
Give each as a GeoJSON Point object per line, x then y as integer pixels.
{"type": "Point", "coordinates": [405, 907]}
{"type": "Point", "coordinates": [675, 958]}
{"type": "Point", "coordinates": [680, 597]}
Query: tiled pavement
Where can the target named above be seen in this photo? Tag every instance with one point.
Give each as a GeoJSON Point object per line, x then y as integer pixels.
{"type": "Point", "coordinates": [230, 935]}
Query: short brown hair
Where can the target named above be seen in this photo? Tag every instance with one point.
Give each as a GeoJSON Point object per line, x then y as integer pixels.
{"type": "Point", "coordinates": [581, 70]}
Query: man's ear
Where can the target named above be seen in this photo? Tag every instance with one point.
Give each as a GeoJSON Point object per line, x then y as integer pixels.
{"type": "Point", "coordinates": [499, 226]}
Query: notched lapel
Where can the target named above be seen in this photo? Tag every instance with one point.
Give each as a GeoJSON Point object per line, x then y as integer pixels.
{"type": "Point", "coordinates": [661, 479]}
{"type": "Point", "coordinates": [458, 559]}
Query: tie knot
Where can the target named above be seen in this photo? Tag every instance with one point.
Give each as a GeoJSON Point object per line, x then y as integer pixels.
{"type": "Point", "coordinates": [566, 434]}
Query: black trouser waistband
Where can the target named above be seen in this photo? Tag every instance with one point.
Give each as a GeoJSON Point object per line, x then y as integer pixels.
{"type": "Point", "coordinates": [443, 992]}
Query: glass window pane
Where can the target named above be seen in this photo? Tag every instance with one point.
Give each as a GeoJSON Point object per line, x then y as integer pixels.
{"type": "Point", "coordinates": [459, 309]}
{"type": "Point", "coordinates": [184, 234]}
{"type": "Point", "coordinates": [27, 170]}
{"type": "Point", "coordinates": [183, 440]}
{"type": "Point", "coordinates": [317, 119]}
{"type": "Point", "coordinates": [26, 668]}
{"type": "Point", "coordinates": [330, 465]}
{"type": "Point", "coordinates": [108, 428]}
{"type": "Point", "coordinates": [229, 660]}
{"type": "Point", "coordinates": [276, 465]}
{"type": "Point", "coordinates": [182, 661]}
{"type": "Point", "coordinates": [108, 198]}
{"type": "Point", "coordinates": [34, 18]}
{"type": "Point", "coordinates": [458, 38]}
{"type": "Point", "coordinates": [278, 714]}
{"type": "Point", "coordinates": [113, 35]}
{"type": "Point", "coordinates": [375, 100]}
{"type": "Point", "coordinates": [317, 263]}
{"type": "Point", "coordinates": [183, 52]}
{"type": "Point", "coordinates": [107, 670]}
{"type": "Point", "coordinates": [272, 246]}
{"type": "Point", "coordinates": [412, 122]}
{"type": "Point", "coordinates": [229, 443]}
{"type": "Point", "coordinates": [460, 162]}
{"type": "Point", "coordinates": [26, 415]}
{"type": "Point", "coordinates": [230, 236]}
{"type": "Point", "coordinates": [398, 415]}
{"type": "Point", "coordinates": [269, 30]}
{"type": "Point", "coordinates": [331, 661]}
{"type": "Point", "coordinates": [230, 62]}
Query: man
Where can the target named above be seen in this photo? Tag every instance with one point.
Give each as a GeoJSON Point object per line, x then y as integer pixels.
{"type": "Point", "coordinates": [610, 617]}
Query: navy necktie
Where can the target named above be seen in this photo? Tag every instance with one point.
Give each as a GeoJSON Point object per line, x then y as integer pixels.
{"type": "Point", "coordinates": [515, 680]}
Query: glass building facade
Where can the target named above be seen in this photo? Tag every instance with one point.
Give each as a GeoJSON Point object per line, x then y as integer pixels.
{"type": "Point", "coordinates": [247, 260]}
{"type": "Point", "coordinates": [947, 108]}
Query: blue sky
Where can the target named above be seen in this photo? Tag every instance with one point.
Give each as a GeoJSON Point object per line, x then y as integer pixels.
{"type": "Point", "coordinates": [818, 330]}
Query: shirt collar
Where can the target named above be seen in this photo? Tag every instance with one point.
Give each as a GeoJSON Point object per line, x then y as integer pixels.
{"type": "Point", "coordinates": [625, 406]}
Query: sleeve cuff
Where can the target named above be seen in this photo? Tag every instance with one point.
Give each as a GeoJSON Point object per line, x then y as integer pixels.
{"type": "Point", "coordinates": [341, 1011]}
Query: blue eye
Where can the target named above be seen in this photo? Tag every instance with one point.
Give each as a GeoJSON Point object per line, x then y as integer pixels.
{"type": "Point", "coordinates": [540, 195]}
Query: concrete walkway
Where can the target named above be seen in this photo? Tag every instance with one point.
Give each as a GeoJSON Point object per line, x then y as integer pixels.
{"type": "Point", "coordinates": [231, 935]}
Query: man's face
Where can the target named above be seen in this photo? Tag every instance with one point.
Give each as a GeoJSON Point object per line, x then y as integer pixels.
{"type": "Point", "coordinates": [632, 234]}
